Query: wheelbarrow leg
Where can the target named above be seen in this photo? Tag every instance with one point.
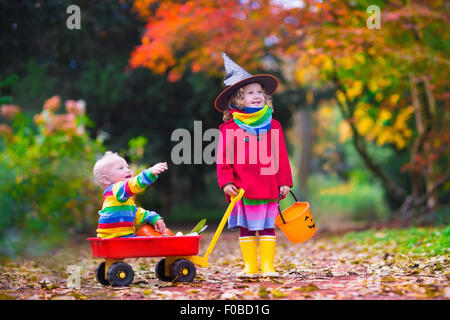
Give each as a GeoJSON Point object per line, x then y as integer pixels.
{"type": "Point", "coordinates": [179, 269]}
{"type": "Point", "coordinates": [108, 263]}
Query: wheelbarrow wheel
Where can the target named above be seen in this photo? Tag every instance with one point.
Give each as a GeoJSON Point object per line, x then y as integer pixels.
{"type": "Point", "coordinates": [183, 270]}
{"type": "Point", "coordinates": [100, 275]}
{"type": "Point", "coordinates": [120, 274]}
{"type": "Point", "coordinates": [160, 271]}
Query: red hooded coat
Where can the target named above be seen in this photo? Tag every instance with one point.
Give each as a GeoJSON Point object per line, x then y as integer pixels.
{"type": "Point", "coordinates": [259, 165]}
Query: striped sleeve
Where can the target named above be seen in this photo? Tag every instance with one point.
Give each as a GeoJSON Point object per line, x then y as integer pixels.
{"type": "Point", "coordinates": [152, 217]}
{"type": "Point", "coordinates": [144, 216]}
{"type": "Point", "coordinates": [124, 190]}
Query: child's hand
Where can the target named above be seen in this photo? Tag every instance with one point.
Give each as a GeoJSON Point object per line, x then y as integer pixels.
{"type": "Point", "coordinates": [158, 168]}
{"type": "Point", "coordinates": [160, 226]}
{"type": "Point", "coordinates": [284, 190]}
{"type": "Point", "coordinates": [231, 190]}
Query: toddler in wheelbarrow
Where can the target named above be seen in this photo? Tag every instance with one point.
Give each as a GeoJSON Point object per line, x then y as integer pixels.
{"type": "Point", "coordinates": [119, 216]}
{"type": "Point", "coordinates": [126, 231]}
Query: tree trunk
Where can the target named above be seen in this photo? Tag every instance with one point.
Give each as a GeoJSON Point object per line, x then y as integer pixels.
{"type": "Point", "coordinates": [424, 112]}
{"type": "Point", "coordinates": [432, 201]}
{"type": "Point", "coordinates": [304, 137]}
{"type": "Point", "coordinates": [360, 146]}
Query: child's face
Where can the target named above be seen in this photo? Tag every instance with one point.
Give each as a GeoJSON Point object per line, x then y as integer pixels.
{"type": "Point", "coordinates": [117, 170]}
{"type": "Point", "coordinates": [253, 95]}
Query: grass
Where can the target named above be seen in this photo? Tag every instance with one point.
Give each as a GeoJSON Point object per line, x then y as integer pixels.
{"type": "Point", "coordinates": [426, 241]}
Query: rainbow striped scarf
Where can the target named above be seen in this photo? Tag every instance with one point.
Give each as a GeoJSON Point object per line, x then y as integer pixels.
{"type": "Point", "coordinates": [253, 120]}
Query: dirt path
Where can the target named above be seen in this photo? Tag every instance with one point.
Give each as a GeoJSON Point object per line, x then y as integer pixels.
{"type": "Point", "coordinates": [321, 268]}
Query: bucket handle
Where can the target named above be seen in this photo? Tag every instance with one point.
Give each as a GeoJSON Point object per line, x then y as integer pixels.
{"type": "Point", "coordinates": [279, 209]}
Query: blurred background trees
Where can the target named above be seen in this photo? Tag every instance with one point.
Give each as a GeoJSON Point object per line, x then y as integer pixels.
{"type": "Point", "coordinates": [365, 110]}
{"type": "Point", "coordinates": [379, 78]}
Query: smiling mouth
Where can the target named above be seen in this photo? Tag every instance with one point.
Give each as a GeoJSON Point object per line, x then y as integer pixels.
{"type": "Point", "coordinates": [313, 225]}
{"type": "Point", "coordinates": [128, 176]}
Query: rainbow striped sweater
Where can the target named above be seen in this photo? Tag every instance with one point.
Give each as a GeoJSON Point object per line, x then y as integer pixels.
{"type": "Point", "coordinates": [119, 215]}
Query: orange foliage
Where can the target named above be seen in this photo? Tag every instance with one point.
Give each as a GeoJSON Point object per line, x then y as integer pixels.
{"type": "Point", "coordinates": [66, 122]}
{"type": "Point", "coordinates": [205, 28]}
{"type": "Point", "coordinates": [52, 104]}
{"type": "Point", "coordinates": [9, 111]}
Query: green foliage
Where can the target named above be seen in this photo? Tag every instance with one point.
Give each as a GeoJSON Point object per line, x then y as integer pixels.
{"type": "Point", "coordinates": [5, 84]}
{"type": "Point", "coordinates": [47, 193]}
{"type": "Point", "coordinates": [199, 227]}
{"type": "Point", "coordinates": [34, 86]}
{"type": "Point", "coordinates": [187, 212]}
{"type": "Point", "coordinates": [427, 241]}
{"type": "Point", "coordinates": [357, 199]}
{"type": "Point", "coordinates": [136, 148]}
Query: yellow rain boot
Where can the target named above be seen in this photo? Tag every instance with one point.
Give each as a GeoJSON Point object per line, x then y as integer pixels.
{"type": "Point", "coordinates": [267, 246]}
{"type": "Point", "coordinates": [248, 248]}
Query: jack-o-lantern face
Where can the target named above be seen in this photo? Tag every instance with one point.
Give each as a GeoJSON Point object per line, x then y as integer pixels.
{"type": "Point", "coordinates": [313, 224]}
{"type": "Point", "coordinates": [298, 224]}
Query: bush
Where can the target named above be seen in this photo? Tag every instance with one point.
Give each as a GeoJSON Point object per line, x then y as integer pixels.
{"type": "Point", "coordinates": [47, 194]}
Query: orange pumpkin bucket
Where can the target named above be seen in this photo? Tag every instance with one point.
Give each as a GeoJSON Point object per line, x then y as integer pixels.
{"type": "Point", "coordinates": [296, 222]}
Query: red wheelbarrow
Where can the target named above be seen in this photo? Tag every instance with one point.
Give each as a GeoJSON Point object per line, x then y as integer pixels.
{"type": "Point", "coordinates": [179, 252]}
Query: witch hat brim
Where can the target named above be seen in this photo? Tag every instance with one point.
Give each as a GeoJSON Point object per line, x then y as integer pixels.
{"type": "Point", "coordinates": [267, 81]}
{"type": "Point", "coordinates": [237, 77]}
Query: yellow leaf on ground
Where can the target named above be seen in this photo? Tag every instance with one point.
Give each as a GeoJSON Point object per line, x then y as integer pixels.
{"type": "Point", "coordinates": [262, 292]}
{"type": "Point", "coordinates": [309, 288]}
{"type": "Point", "coordinates": [278, 294]}
{"type": "Point", "coordinates": [193, 291]}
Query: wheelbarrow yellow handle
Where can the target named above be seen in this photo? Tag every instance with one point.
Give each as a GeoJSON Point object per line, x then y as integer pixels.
{"type": "Point", "coordinates": [216, 236]}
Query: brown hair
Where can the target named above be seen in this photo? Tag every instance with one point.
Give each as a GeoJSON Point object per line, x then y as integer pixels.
{"type": "Point", "coordinates": [238, 100]}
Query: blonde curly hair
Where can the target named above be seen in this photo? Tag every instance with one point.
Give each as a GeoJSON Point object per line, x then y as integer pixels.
{"type": "Point", "coordinates": [100, 165]}
{"type": "Point", "coordinates": [237, 99]}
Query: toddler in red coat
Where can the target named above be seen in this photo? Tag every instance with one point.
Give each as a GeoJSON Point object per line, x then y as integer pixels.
{"type": "Point", "coordinates": [252, 155]}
